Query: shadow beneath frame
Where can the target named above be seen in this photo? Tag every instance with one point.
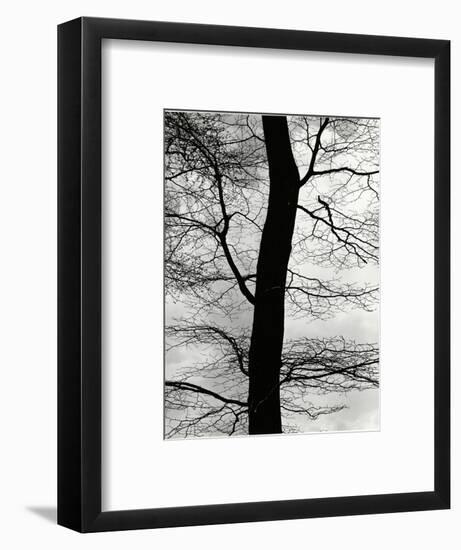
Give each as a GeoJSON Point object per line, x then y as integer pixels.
{"type": "Point", "coordinates": [48, 513]}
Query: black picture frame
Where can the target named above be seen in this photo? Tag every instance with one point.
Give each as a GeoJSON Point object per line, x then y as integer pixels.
{"type": "Point", "coordinates": [79, 274]}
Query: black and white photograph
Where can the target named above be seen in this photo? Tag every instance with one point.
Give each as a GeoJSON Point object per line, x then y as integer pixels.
{"type": "Point", "coordinates": [271, 273]}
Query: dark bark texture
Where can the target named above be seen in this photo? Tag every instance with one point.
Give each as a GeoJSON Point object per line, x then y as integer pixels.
{"type": "Point", "coordinates": [274, 254]}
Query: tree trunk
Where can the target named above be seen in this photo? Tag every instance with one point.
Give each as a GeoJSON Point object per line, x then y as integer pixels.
{"type": "Point", "coordinates": [274, 254]}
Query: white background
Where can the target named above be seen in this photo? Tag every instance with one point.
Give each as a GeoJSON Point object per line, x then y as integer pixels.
{"type": "Point", "coordinates": [140, 79]}
{"type": "Point", "coordinates": [28, 296]}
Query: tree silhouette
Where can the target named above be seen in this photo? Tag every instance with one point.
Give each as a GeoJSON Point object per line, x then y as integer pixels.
{"type": "Point", "coordinates": [263, 216]}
